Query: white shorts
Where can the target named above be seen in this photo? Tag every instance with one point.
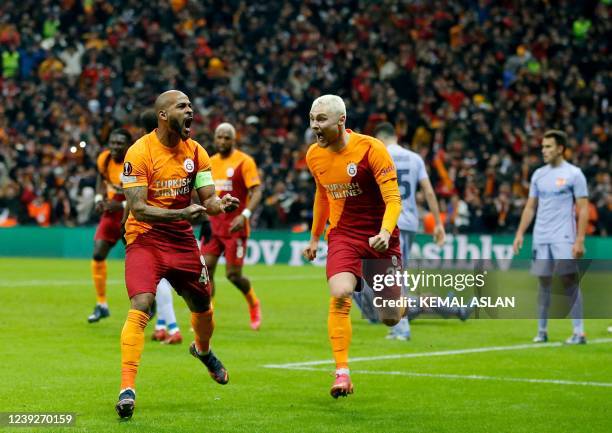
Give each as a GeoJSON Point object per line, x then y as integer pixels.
{"type": "Point", "coordinates": [406, 240]}
{"type": "Point", "coordinates": [553, 259]}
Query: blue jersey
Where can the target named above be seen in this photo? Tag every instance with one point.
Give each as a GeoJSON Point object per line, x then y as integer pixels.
{"type": "Point", "coordinates": [556, 189]}
{"type": "Point", "coordinates": [410, 171]}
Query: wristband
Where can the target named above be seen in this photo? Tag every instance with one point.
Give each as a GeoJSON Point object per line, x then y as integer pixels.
{"type": "Point", "coordinates": [246, 213]}
{"type": "Point", "coordinates": [98, 198]}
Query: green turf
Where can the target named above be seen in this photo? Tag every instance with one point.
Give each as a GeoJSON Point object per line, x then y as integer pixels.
{"type": "Point", "coordinates": [52, 360]}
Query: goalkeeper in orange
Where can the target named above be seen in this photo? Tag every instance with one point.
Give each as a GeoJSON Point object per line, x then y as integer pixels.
{"type": "Point", "coordinates": [358, 193]}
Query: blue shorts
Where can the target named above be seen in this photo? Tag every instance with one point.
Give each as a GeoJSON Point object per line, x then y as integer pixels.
{"type": "Point", "coordinates": [553, 259]}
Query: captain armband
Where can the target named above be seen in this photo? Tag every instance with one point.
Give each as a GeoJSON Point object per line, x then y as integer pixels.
{"type": "Point", "coordinates": [203, 178]}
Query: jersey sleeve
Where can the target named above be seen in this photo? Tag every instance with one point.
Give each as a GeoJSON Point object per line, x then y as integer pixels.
{"type": "Point", "coordinates": [533, 187]}
{"type": "Point", "coordinates": [382, 164]}
{"type": "Point", "coordinates": [100, 163]}
{"type": "Point", "coordinates": [386, 176]}
{"type": "Point", "coordinates": [249, 173]}
{"type": "Point", "coordinates": [320, 208]}
{"type": "Point", "coordinates": [203, 158]}
{"type": "Point", "coordinates": [421, 171]}
{"type": "Point", "coordinates": [135, 168]}
{"type": "Point", "coordinates": [320, 211]}
{"type": "Point", "coordinates": [580, 185]}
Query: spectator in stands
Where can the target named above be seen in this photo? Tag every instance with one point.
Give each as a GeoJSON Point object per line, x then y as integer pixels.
{"type": "Point", "coordinates": [468, 84]}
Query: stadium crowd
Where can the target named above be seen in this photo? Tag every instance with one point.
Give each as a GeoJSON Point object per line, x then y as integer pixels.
{"type": "Point", "coordinates": [470, 85]}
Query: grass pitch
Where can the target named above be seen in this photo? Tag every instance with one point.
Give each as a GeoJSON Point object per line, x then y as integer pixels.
{"type": "Point", "coordinates": [54, 361]}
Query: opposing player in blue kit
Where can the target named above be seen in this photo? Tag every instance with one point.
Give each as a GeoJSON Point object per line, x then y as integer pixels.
{"type": "Point", "coordinates": [557, 190]}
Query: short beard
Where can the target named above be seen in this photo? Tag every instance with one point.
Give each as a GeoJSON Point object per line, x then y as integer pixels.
{"type": "Point", "coordinates": [176, 127]}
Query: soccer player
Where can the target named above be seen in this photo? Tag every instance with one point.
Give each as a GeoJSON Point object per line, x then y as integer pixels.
{"type": "Point", "coordinates": [555, 189]}
{"type": "Point", "coordinates": [166, 328]}
{"type": "Point", "coordinates": [234, 172]}
{"type": "Point", "coordinates": [110, 201]}
{"type": "Point", "coordinates": [411, 173]}
{"type": "Point", "coordinates": [357, 191]}
{"type": "Point", "coordinates": [160, 171]}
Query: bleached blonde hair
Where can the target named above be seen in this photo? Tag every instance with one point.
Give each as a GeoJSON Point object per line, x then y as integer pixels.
{"type": "Point", "coordinates": [331, 103]}
{"type": "Point", "coordinates": [226, 125]}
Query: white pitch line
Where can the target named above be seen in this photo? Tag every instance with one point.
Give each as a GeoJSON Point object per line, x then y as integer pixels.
{"type": "Point", "coordinates": [51, 282]}
{"type": "Point", "coordinates": [469, 377]}
{"type": "Point", "coordinates": [295, 365]}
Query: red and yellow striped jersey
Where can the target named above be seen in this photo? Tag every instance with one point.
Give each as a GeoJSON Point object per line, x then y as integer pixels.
{"type": "Point", "coordinates": [354, 187]}
{"type": "Point", "coordinates": [233, 175]}
{"type": "Point", "coordinates": [168, 173]}
{"type": "Point", "coordinates": [111, 173]}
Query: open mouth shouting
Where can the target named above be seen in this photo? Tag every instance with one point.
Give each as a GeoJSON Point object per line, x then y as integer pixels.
{"type": "Point", "coordinates": [187, 126]}
{"type": "Point", "coordinates": [320, 137]}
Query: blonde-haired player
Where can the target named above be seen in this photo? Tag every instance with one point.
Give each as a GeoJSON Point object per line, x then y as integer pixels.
{"type": "Point", "coordinates": [357, 192]}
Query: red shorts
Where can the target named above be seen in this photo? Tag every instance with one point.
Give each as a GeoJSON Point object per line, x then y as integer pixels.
{"type": "Point", "coordinates": [345, 253]}
{"type": "Point", "coordinates": [109, 228]}
{"type": "Point", "coordinates": [234, 249]}
{"type": "Point", "coordinates": [148, 260]}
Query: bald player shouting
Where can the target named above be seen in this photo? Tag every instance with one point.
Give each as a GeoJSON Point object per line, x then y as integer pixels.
{"type": "Point", "coordinates": [160, 171]}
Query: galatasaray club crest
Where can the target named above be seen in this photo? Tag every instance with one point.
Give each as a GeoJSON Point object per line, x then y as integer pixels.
{"type": "Point", "coordinates": [229, 172]}
{"type": "Point", "coordinates": [560, 181]}
{"type": "Point", "coordinates": [351, 169]}
{"type": "Point", "coordinates": [188, 165]}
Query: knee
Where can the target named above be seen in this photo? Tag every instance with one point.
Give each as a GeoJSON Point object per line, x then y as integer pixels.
{"type": "Point", "coordinates": [198, 303]}
{"type": "Point", "coordinates": [98, 256]}
{"type": "Point", "coordinates": [391, 321]}
{"type": "Point", "coordinates": [341, 290]}
{"type": "Point", "coordinates": [234, 277]}
{"type": "Point", "coordinates": [391, 316]}
{"type": "Point", "coordinates": [143, 302]}
{"type": "Point", "coordinates": [342, 285]}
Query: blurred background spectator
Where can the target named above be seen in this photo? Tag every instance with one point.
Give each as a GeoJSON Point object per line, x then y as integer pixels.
{"type": "Point", "coordinates": [470, 85]}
